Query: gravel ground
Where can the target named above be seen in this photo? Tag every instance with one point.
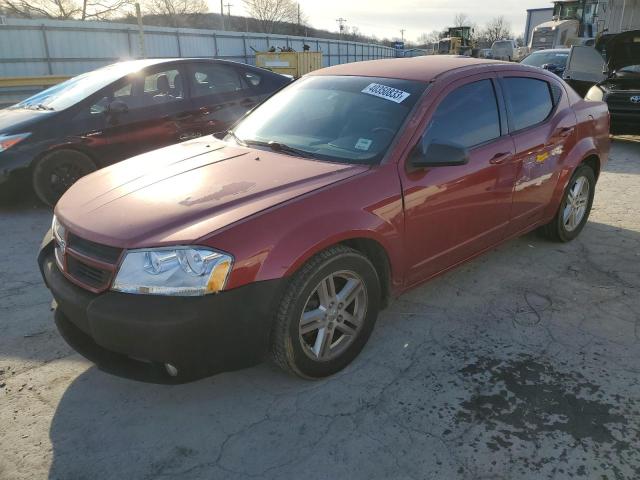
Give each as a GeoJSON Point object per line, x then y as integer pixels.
{"type": "Point", "coordinates": [521, 364]}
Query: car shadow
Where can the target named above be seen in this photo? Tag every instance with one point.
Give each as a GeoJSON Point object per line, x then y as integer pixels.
{"type": "Point", "coordinates": [516, 312]}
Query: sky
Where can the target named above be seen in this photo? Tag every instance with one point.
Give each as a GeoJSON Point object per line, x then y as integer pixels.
{"type": "Point", "coordinates": [385, 18]}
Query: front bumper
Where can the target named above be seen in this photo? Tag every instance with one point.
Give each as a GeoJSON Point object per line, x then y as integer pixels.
{"type": "Point", "coordinates": [135, 335]}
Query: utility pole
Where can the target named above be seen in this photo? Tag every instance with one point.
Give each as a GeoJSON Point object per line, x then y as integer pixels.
{"type": "Point", "coordinates": [402, 30]}
{"type": "Point", "coordinates": [298, 32]}
{"type": "Point", "coordinates": [141, 48]}
{"type": "Point", "coordinates": [222, 13]}
{"type": "Point", "coordinates": [229, 5]}
{"type": "Point", "coordinates": [341, 21]}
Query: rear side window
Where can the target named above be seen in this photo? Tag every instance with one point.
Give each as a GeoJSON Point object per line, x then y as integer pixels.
{"type": "Point", "coordinates": [529, 100]}
{"type": "Point", "coordinates": [468, 116]}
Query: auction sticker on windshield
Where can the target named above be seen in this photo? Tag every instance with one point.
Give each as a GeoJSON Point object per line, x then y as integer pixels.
{"type": "Point", "coordinates": [385, 92]}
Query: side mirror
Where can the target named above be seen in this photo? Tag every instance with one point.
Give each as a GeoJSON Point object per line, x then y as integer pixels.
{"type": "Point", "coordinates": [439, 154]}
{"type": "Point", "coordinates": [117, 107]}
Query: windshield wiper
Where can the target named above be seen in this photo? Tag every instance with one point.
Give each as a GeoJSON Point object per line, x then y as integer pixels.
{"type": "Point", "coordinates": [281, 148]}
{"type": "Point", "coordinates": [238, 140]}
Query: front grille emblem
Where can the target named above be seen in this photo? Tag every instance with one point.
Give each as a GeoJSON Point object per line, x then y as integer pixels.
{"type": "Point", "coordinates": [635, 99]}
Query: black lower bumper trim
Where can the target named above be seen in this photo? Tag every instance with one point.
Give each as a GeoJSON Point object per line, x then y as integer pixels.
{"type": "Point", "coordinates": [138, 334]}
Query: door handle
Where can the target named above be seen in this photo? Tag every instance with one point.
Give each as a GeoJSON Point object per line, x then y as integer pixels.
{"type": "Point", "coordinates": [500, 158]}
{"type": "Point", "coordinates": [564, 132]}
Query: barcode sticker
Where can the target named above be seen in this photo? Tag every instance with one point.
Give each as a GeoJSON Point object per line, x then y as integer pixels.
{"type": "Point", "coordinates": [388, 93]}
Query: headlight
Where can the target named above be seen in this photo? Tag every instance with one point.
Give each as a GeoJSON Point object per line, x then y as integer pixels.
{"type": "Point", "coordinates": [8, 141]}
{"type": "Point", "coordinates": [60, 236]}
{"type": "Point", "coordinates": [180, 271]}
{"type": "Point", "coordinates": [595, 94]}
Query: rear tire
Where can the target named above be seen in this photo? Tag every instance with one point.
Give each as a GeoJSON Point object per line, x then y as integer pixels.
{"type": "Point", "coordinates": [55, 172]}
{"type": "Point", "coordinates": [575, 207]}
{"type": "Point", "coordinates": [326, 314]}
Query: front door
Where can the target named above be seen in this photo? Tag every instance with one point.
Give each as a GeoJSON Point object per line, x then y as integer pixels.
{"type": "Point", "coordinates": [150, 114]}
{"type": "Point", "coordinates": [454, 212]}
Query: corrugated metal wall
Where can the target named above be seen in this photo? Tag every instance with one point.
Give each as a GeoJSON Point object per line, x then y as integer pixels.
{"type": "Point", "coordinates": [54, 47]}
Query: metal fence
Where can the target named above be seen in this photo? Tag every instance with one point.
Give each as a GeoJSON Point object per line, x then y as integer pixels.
{"type": "Point", "coordinates": [55, 47]}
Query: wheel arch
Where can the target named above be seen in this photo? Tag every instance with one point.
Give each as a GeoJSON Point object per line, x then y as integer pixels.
{"type": "Point", "coordinates": [58, 148]}
{"type": "Point", "coordinates": [377, 255]}
{"type": "Point", "coordinates": [584, 152]}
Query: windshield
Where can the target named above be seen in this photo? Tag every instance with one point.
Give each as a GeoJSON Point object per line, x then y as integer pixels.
{"type": "Point", "coordinates": [70, 92]}
{"type": "Point", "coordinates": [502, 44]}
{"type": "Point", "coordinates": [546, 58]}
{"type": "Point", "coordinates": [342, 119]}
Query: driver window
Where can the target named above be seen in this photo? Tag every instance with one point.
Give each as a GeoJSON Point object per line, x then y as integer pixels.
{"type": "Point", "coordinates": [122, 94]}
{"type": "Point", "coordinates": [157, 88]}
{"type": "Point", "coordinates": [468, 116]}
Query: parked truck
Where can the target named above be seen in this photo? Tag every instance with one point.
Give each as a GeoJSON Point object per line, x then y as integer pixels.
{"type": "Point", "coordinates": [457, 41]}
{"type": "Point", "coordinates": [570, 26]}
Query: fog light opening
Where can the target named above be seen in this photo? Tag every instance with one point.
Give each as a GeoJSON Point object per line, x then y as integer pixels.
{"type": "Point", "coordinates": [171, 370]}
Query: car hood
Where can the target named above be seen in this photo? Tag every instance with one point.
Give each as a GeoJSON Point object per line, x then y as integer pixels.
{"type": "Point", "coordinates": [185, 192]}
{"type": "Point", "coordinates": [20, 120]}
{"type": "Point", "coordinates": [621, 49]}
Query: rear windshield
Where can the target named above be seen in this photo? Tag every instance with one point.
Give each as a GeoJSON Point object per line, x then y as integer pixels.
{"type": "Point", "coordinates": [546, 58]}
{"type": "Point", "coordinates": [336, 118]}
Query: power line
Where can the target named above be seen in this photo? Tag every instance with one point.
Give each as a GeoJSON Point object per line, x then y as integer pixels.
{"type": "Point", "coordinates": [341, 21]}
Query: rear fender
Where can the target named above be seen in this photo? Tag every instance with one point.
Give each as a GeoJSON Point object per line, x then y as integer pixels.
{"type": "Point", "coordinates": [582, 150]}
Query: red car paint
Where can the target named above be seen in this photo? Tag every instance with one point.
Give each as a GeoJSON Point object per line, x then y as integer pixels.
{"type": "Point", "coordinates": [273, 212]}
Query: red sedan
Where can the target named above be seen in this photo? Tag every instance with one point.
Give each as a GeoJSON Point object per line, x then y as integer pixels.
{"type": "Point", "coordinates": [339, 193]}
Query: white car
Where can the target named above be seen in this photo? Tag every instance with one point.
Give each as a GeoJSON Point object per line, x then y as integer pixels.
{"type": "Point", "coordinates": [508, 50]}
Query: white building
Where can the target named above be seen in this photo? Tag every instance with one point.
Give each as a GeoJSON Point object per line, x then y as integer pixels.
{"type": "Point", "coordinates": [535, 17]}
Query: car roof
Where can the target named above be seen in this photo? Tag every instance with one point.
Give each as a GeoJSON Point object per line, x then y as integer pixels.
{"type": "Point", "coordinates": [135, 65]}
{"type": "Point", "coordinates": [551, 50]}
{"type": "Point", "coordinates": [424, 69]}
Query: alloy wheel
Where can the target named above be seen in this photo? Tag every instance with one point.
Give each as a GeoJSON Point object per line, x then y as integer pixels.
{"type": "Point", "coordinates": [576, 204]}
{"type": "Point", "coordinates": [333, 315]}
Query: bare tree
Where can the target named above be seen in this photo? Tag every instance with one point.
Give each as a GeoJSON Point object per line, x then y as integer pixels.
{"type": "Point", "coordinates": [66, 9]}
{"type": "Point", "coordinates": [461, 20]}
{"type": "Point", "coordinates": [497, 28]}
{"type": "Point", "coordinates": [174, 10]}
{"type": "Point", "coordinates": [62, 9]}
{"type": "Point", "coordinates": [268, 13]}
{"type": "Point", "coordinates": [429, 38]}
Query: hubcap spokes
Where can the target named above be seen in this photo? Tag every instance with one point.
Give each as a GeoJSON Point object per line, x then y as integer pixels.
{"type": "Point", "coordinates": [576, 204]}
{"type": "Point", "coordinates": [333, 315]}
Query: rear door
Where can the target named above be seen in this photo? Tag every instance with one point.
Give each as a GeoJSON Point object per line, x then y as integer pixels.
{"type": "Point", "coordinates": [454, 212]}
{"type": "Point", "coordinates": [221, 94]}
{"type": "Point", "coordinates": [543, 128]}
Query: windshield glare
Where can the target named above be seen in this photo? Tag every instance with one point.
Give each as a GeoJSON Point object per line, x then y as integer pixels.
{"type": "Point", "coordinates": [546, 58]}
{"type": "Point", "coordinates": [342, 119]}
{"type": "Point", "coordinates": [70, 92]}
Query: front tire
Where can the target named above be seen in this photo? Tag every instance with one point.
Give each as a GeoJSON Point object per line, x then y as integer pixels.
{"type": "Point", "coordinates": [327, 314]}
{"type": "Point", "coordinates": [55, 172]}
{"type": "Point", "coordinates": [575, 206]}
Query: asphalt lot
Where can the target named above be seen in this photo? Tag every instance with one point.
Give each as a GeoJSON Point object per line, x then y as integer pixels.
{"type": "Point", "coordinates": [521, 364]}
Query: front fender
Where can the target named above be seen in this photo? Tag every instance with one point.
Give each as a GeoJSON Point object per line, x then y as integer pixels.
{"type": "Point", "coordinates": [277, 242]}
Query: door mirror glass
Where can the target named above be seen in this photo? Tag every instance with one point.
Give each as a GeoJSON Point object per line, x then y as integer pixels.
{"type": "Point", "coordinates": [439, 154]}
{"type": "Point", "coordinates": [117, 107]}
